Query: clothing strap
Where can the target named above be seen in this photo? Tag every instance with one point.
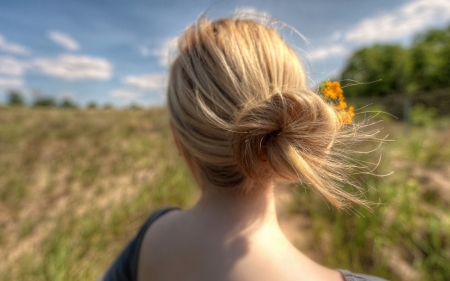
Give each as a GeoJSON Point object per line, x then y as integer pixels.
{"type": "Point", "coordinates": [126, 265]}
{"type": "Point", "coordinates": [350, 276]}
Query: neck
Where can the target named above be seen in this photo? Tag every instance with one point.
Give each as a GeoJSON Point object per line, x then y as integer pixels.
{"type": "Point", "coordinates": [237, 215]}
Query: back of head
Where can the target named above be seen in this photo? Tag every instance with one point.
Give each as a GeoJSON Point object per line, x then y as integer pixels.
{"type": "Point", "coordinates": [242, 113]}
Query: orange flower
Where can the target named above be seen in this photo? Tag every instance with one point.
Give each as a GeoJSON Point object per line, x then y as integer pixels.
{"type": "Point", "coordinates": [350, 111]}
{"type": "Point", "coordinates": [332, 90]}
{"type": "Point", "coordinates": [342, 105]}
{"type": "Point", "coordinates": [349, 114]}
{"type": "Point", "coordinates": [345, 117]}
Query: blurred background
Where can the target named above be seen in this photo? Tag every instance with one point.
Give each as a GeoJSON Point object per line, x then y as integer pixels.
{"type": "Point", "coordinates": [86, 154]}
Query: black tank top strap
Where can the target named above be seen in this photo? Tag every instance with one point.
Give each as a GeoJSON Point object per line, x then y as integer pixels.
{"type": "Point", "coordinates": [125, 266]}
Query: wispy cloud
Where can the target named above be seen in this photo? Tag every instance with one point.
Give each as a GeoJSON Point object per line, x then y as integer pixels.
{"type": "Point", "coordinates": [336, 36]}
{"type": "Point", "coordinates": [7, 82]}
{"type": "Point", "coordinates": [125, 94]}
{"type": "Point", "coordinates": [145, 51]}
{"type": "Point", "coordinates": [127, 97]}
{"type": "Point", "coordinates": [64, 40]}
{"type": "Point", "coordinates": [398, 24]}
{"type": "Point", "coordinates": [249, 12]}
{"type": "Point", "coordinates": [11, 66]}
{"type": "Point", "coordinates": [150, 81]}
{"type": "Point", "coordinates": [11, 47]}
{"type": "Point", "coordinates": [404, 21]}
{"type": "Point", "coordinates": [67, 95]}
{"type": "Point", "coordinates": [72, 67]}
{"type": "Point", "coordinates": [332, 50]}
{"type": "Point", "coordinates": [165, 52]}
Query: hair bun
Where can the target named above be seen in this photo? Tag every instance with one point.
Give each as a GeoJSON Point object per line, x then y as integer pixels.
{"type": "Point", "coordinates": [284, 134]}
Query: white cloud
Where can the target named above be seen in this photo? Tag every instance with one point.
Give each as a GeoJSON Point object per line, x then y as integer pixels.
{"type": "Point", "coordinates": [146, 81]}
{"type": "Point", "coordinates": [66, 95]}
{"type": "Point", "coordinates": [73, 67]}
{"type": "Point", "coordinates": [127, 97]}
{"type": "Point", "coordinates": [404, 21]}
{"type": "Point", "coordinates": [64, 40]}
{"type": "Point", "coordinates": [11, 66]}
{"type": "Point", "coordinates": [332, 50]}
{"type": "Point", "coordinates": [248, 12]}
{"type": "Point", "coordinates": [145, 51]}
{"type": "Point", "coordinates": [335, 73]}
{"type": "Point", "coordinates": [125, 94]}
{"type": "Point", "coordinates": [336, 36]}
{"type": "Point", "coordinates": [14, 48]}
{"type": "Point", "coordinates": [165, 52]}
{"type": "Point", "coordinates": [6, 82]}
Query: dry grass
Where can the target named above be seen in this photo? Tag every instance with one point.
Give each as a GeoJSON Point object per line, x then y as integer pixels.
{"type": "Point", "coordinates": [75, 186]}
{"type": "Point", "coordinates": [407, 235]}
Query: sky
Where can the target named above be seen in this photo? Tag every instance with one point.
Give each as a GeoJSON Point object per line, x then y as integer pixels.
{"type": "Point", "coordinates": [119, 51]}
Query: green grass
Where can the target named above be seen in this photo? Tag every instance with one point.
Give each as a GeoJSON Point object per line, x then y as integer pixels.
{"type": "Point", "coordinates": [75, 185]}
{"type": "Point", "coordinates": [407, 235]}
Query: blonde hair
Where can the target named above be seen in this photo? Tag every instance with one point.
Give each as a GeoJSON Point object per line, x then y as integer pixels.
{"type": "Point", "coordinates": [242, 114]}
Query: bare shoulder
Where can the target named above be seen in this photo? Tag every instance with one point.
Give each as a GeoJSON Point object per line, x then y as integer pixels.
{"type": "Point", "coordinates": [157, 242]}
{"type": "Point", "coordinates": [178, 247]}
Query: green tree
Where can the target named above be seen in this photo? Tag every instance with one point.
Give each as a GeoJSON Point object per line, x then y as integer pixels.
{"type": "Point", "coordinates": [67, 103]}
{"type": "Point", "coordinates": [92, 105]}
{"type": "Point", "coordinates": [430, 56]}
{"type": "Point", "coordinates": [423, 67]}
{"type": "Point", "coordinates": [134, 106]}
{"type": "Point", "coordinates": [15, 98]}
{"type": "Point", "coordinates": [108, 106]}
{"type": "Point", "coordinates": [385, 67]}
{"type": "Point", "coordinates": [44, 102]}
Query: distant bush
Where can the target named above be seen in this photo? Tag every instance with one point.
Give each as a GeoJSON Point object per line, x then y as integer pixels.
{"type": "Point", "coordinates": [15, 98]}
{"type": "Point", "coordinates": [67, 103]}
{"type": "Point", "coordinates": [91, 105]}
{"type": "Point", "coordinates": [44, 102]}
{"type": "Point", "coordinates": [135, 107]}
{"type": "Point", "coordinates": [108, 106]}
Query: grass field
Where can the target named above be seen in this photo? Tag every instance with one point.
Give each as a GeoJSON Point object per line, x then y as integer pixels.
{"type": "Point", "coordinates": [75, 185]}
{"type": "Point", "coordinates": [406, 235]}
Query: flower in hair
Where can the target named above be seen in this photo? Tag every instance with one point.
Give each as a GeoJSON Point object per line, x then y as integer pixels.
{"type": "Point", "coordinates": [333, 92]}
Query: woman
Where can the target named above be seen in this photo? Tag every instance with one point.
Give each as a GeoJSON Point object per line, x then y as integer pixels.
{"type": "Point", "coordinates": [245, 123]}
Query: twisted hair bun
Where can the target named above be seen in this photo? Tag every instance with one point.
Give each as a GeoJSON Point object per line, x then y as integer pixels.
{"type": "Point", "coordinates": [242, 114]}
{"type": "Point", "coordinates": [288, 136]}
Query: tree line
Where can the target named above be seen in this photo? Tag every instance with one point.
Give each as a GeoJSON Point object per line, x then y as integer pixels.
{"type": "Point", "coordinates": [15, 98]}
{"type": "Point", "coordinates": [383, 70]}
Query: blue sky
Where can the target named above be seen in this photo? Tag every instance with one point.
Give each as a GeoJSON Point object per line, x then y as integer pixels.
{"type": "Point", "coordinates": [117, 51]}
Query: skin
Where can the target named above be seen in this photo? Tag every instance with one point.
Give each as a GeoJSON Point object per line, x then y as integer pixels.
{"type": "Point", "coordinates": [225, 238]}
